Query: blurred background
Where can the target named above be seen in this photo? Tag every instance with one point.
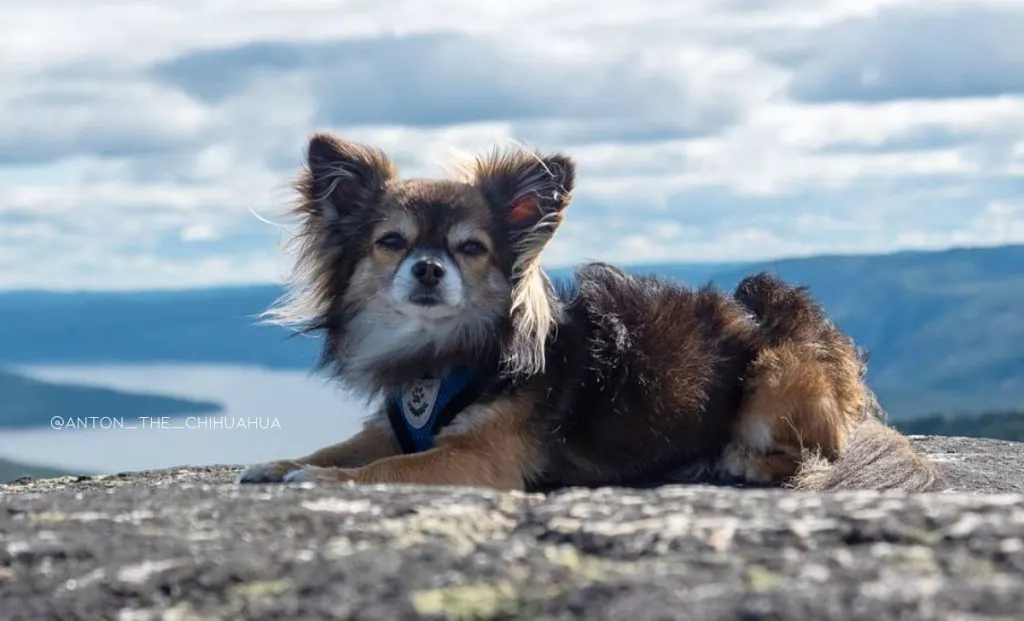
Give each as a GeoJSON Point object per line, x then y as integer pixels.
{"type": "Point", "coordinates": [870, 149]}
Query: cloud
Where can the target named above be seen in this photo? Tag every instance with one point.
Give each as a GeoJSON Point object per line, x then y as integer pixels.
{"type": "Point", "coordinates": [922, 51]}
{"type": "Point", "coordinates": [703, 130]}
{"type": "Point", "coordinates": [49, 119]}
{"type": "Point", "coordinates": [884, 214]}
{"type": "Point", "coordinates": [442, 79]}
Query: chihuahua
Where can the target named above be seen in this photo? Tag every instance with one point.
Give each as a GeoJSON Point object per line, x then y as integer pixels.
{"type": "Point", "coordinates": [431, 301]}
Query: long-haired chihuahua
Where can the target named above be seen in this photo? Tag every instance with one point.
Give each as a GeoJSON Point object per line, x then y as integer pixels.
{"type": "Point", "coordinates": [430, 299]}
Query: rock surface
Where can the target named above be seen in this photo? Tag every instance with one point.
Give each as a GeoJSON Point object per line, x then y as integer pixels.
{"type": "Point", "coordinates": [188, 545]}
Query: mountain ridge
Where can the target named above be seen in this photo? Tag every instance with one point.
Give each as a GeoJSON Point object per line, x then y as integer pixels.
{"type": "Point", "coordinates": [940, 326]}
{"type": "Point", "coordinates": [29, 403]}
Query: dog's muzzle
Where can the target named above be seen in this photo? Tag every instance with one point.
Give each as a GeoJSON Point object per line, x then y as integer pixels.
{"type": "Point", "coordinates": [428, 271]}
{"type": "Point", "coordinates": [429, 274]}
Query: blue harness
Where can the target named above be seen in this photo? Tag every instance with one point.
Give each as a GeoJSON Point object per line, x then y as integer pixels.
{"type": "Point", "coordinates": [420, 410]}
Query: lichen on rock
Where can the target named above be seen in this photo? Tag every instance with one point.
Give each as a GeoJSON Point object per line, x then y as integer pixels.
{"type": "Point", "coordinates": [188, 544]}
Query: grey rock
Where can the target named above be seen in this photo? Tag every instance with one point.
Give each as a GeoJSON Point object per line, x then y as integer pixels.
{"type": "Point", "coordinates": [188, 544]}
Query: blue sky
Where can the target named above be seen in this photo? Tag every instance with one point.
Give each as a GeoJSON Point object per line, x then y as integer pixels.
{"type": "Point", "coordinates": [137, 139]}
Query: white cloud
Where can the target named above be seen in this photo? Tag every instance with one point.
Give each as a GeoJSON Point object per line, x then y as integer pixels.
{"type": "Point", "coordinates": [198, 233]}
{"type": "Point", "coordinates": [915, 51]}
{"type": "Point", "coordinates": [997, 223]}
{"type": "Point", "coordinates": [57, 118]}
{"type": "Point", "coordinates": [704, 130]}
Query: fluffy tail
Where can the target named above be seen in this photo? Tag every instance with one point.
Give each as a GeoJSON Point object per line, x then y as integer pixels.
{"type": "Point", "coordinates": [876, 457]}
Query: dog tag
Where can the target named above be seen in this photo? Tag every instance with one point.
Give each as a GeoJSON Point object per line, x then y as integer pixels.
{"type": "Point", "coordinates": [418, 402]}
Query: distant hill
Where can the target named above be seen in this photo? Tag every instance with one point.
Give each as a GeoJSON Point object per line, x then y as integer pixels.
{"type": "Point", "coordinates": [207, 325]}
{"type": "Point", "coordinates": [10, 470]}
{"type": "Point", "coordinates": [944, 328]}
{"type": "Point", "coordinates": [26, 403]}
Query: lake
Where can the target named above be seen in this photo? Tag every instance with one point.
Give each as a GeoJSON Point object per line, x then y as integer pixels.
{"type": "Point", "coordinates": [268, 414]}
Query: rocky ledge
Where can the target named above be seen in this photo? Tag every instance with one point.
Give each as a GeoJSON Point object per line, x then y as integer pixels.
{"type": "Point", "coordinates": [188, 544]}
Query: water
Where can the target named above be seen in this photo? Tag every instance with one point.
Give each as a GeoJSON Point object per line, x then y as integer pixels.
{"type": "Point", "coordinates": [267, 415]}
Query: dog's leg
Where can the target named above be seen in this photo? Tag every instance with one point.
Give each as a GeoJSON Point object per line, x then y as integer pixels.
{"type": "Point", "coordinates": [797, 403]}
{"type": "Point", "coordinates": [373, 442]}
{"type": "Point", "coordinates": [500, 451]}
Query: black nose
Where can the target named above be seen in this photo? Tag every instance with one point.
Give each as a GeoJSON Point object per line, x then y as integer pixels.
{"type": "Point", "coordinates": [428, 271]}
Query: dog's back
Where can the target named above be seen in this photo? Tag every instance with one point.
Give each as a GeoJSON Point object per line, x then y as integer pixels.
{"type": "Point", "coordinates": [644, 376]}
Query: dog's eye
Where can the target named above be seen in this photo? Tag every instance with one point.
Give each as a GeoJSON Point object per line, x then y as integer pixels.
{"type": "Point", "coordinates": [472, 248]}
{"type": "Point", "coordinates": [392, 241]}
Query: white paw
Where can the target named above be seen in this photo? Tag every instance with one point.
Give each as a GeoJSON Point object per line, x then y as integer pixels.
{"type": "Point", "coordinates": [303, 475]}
{"type": "Point", "coordinates": [270, 472]}
{"type": "Point", "coordinates": [733, 463]}
{"type": "Point", "coordinates": [737, 463]}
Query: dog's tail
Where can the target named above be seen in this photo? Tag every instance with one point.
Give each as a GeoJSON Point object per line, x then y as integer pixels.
{"type": "Point", "coordinates": [876, 457]}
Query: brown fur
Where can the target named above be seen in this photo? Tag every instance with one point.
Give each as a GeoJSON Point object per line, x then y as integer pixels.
{"type": "Point", "coordinates": [370, 444]}
{"type": "Point", "coordinates": [502, 454]}
{"type": "Point", "coordinates": [616, 379]}
{"type": "Point", "coordinates": [802, 393]}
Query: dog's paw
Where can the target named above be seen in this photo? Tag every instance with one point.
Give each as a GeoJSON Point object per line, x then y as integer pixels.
{"type": "Point", "coordinates": [270, 472]}
{"type": "Point", "coordinates": [756, 468]}
{"type": "Point", "coordinates": [312, 474]}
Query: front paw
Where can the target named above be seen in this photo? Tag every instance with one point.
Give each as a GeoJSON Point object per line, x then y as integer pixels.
{"type": "Point", "coordinates": [313, 474]}
{"type": "Point", "coordinates": [270, 472]}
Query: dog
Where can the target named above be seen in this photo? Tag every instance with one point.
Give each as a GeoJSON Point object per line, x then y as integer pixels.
{"type": "Point", "coordinates": [431, 301]}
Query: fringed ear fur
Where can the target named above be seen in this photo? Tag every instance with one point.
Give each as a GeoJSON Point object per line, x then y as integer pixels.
{"type": "Point", "coordinates": [529, 193]}
{"type": "Point", "coordinates": [342, 176]}
{"type": "Point", "coordinates": [340, 181]}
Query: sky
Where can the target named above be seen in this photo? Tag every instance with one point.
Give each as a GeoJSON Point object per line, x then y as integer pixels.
{"type": "Point", "coordinates": [152, 144]}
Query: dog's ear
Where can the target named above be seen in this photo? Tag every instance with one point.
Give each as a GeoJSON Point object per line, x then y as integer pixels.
{"type": "Point", "coordinates": [342, 177]}
{"type": "Point", "coordinates": [529, 193]}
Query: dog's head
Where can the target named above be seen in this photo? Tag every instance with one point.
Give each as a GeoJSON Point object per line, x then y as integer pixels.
{"type": "Point", "coordinates": [412, 272]}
